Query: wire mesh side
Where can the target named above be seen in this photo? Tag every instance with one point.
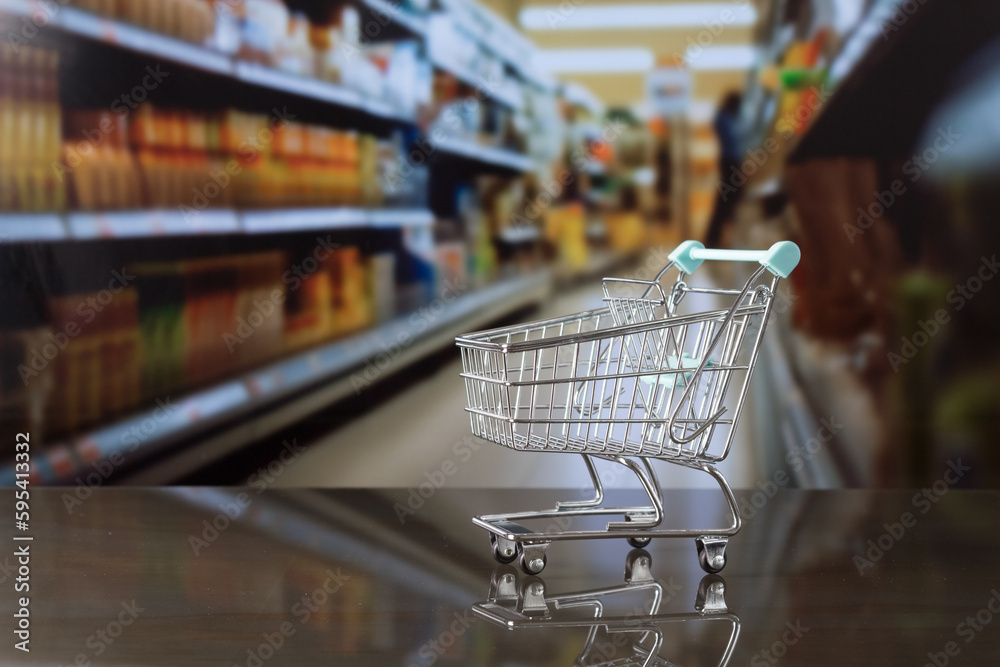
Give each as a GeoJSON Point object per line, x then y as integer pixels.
{"type": "Point", "coordinates": [612, 393]}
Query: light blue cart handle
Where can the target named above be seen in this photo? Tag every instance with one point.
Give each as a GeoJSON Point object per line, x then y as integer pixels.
{"type": "Point", "coordinates": [781, 259]}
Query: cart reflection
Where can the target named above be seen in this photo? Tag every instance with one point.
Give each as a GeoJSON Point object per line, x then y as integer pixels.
{"type": "Point", "coordinates": [625, 623]}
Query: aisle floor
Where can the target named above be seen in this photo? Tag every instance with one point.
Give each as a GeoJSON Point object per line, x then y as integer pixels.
{"type": "Point", "coordinates": [422, 434]}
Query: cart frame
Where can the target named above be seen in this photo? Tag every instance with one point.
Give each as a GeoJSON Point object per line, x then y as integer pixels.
{"type": "Point", "coordinates": [666, 398]}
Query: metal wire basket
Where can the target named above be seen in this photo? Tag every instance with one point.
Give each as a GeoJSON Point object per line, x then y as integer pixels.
{"type": "Point", "coordinates": [630, 382]}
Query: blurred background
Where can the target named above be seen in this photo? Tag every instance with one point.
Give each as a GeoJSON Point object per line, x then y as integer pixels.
{"type": "Point", "coordinates": [238, 237]}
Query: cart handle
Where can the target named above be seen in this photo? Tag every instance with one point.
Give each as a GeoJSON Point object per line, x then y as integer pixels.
{"type": "Point", "coordinates": [781, 259]}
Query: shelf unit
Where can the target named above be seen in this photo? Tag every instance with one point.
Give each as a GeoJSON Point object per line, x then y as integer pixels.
{"type": "Point", "coordinates": [257, 403]}
{"type": "Point", "coordinates": [865, 117]}
{"type": "Point", "coordinates": [43, 227]}
{"type": "Point", "coordinates": [485, 155]}
{"type": "Point", "coordinates": [210, 422]}
{"type": "Point", "coordinates": [118, 34]}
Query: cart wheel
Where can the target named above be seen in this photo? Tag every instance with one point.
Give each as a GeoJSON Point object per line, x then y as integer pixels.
{"type": "Point", "coordinates": [533, 566]}
{"type": "Point", "coordinates": [637, 542]}
{"type": "Point", "coordinates": [504, 551]}
{"type": "Point", "coordinates": [711, 553]}
{"type": "Point", "coordinates": [638, 567]}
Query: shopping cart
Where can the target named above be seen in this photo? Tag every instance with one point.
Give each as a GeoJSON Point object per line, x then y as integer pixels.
{"type": "Point", "coordinates": [634, 381]}
{"type": "Point", "coordinates": [625, 624]}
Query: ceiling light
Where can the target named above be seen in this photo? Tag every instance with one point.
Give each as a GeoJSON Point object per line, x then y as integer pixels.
{"type": "Point", "coordinates": [715, 16]}
{"type": "Point", "coordinates": [594, 61]}
{"type": "Point", "coordinates": [721, 57]}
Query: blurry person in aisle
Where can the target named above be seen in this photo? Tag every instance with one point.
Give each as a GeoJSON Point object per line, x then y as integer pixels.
{"type": "Point", "coordinates": [726, 127]}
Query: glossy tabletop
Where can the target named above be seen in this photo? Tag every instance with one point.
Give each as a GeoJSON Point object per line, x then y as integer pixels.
{"type": "Point", "coordinates": [208, 576]}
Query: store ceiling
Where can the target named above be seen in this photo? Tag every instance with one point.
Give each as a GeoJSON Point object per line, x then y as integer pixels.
{"type": "Point", "coordinates": [628, 89]}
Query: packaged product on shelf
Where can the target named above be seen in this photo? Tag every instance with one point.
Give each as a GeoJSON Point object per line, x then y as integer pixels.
{"type": "Point", "coordinates": [383, 285]}
{"type": "Point", "coordinates": [209, 313]}
{"type": "Point", "coordinates": [30, 133]}
{"type": "Point", "coordinates": [451, 264]}
{"type": "Point", "coordinates": [257, 333]}
{"type": "Point", "coordinates": [97, 373]}
{"type": "Point", "coordinates": [294, 54]}
{"type": "Point", "coordinates": [626, 230]}
{"type": "Point", "coordinates": [307, 311]}
{"type": "Point", "coordinates": [162, 333]}
{"type": "Point", "coordinates": [189, 20]}
{"type": "Point", "coordinates": [24, 390]}
{"type": "Point", "coordinates": [566, 227]}
{"type": "Point", "coordinates": [350, 303]}
{"type": "Point", "coordinates": [371, 191]}
{"type": "Point", "coordinates": [398, 61]}
{"type": "Point", "coordinates": [417, 270]}
{"type": "Point", "coordinates": [265, 30]}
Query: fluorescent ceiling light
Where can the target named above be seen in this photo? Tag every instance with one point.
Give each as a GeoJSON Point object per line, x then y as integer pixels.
{"type": "Point", "coordinates": [567, 16]}
{"type": "Point", "coordinates": [594, 61]}
{"type": "Point", "coordinates": [721, 57]}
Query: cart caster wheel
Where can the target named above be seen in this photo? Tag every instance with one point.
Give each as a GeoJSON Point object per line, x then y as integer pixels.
{"type": "Point", "coordinates": [635, 541]}
{"type": "Point", "coordinates": [504, 551]}
{"type": "Point", "coordinates": [711, 553]}
{"type": "Point", "coordinates": [638, 567]}
{"type": "Point", "coordinates": [532, 564]}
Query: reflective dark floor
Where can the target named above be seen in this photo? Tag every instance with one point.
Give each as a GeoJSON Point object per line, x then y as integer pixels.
{"type": "Point", "coordinates": [238, 577]}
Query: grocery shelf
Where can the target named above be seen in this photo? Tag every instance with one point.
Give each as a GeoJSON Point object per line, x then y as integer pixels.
{"type": "Point", "coordinates": [116, 33]}
{"type": "Point", "coordinates": [258, 222]}
{"type": "Point", "coordinates": [387, 217]}
{"type": "Point", "coordinates": [414, 23]}
{"type": "Point", "coordinates": [494, 90]}
{"type": "Point", "coordinates": [888, 86]}
{"type": "Point", "coordinates": [241, 410]}
{"type": "Point", "coordinates": [316, 89]}
{"type": "Point", "coordinates": [140, 40]}
{"type": "Point", "coordinates": [489, 155]}
{"type": "Point", "coordinates": [19, 227]}
{"type": "Point", "coordinates": [139, 224]}
{"type": "Point", "coordinates": [83, 226]}
{"type": "Point", "coordinates": [519, 234]}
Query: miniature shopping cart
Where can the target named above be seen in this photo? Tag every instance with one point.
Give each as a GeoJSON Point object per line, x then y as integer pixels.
{"type": "Point", "coordinates": [641, 636]}
{"type": "Point", "coordinates": [634, 381]}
